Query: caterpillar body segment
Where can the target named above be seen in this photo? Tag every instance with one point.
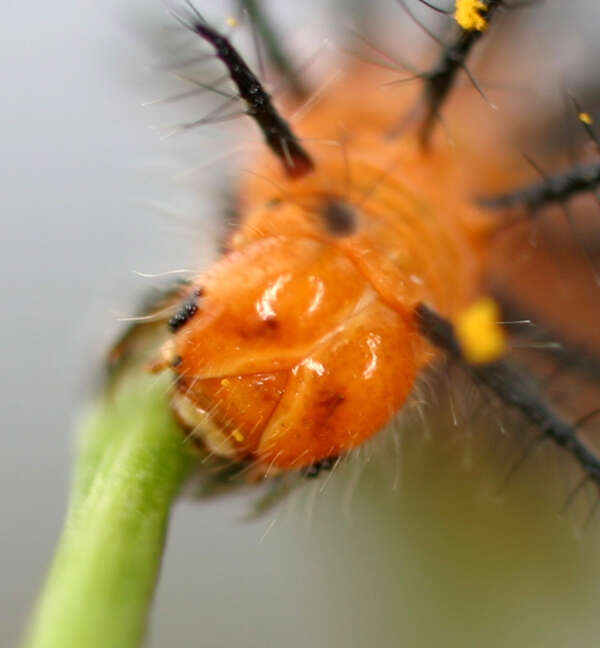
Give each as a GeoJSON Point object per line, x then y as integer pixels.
{"type": "Point", "coordinates": [308, 335]}
{"type": "Point", "coordinates": [304, 343]}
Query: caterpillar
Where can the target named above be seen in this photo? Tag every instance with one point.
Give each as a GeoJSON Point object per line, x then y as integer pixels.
{"type": "Point", "coordinates": [371, 244]}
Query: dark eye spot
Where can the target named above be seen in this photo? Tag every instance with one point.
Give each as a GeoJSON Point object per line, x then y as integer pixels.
{"type": "Point", "coordinates": [187, 309]}
{"type": "Point", "coordinates": [339, 217]}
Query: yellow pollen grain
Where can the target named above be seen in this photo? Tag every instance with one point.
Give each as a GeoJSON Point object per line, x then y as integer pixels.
{"type": "Point", "coordinates": [468, 15]}
{"type": "Point", "coordinates": [237, 436]}
{"type": "Point", "coordinates": [585, 118]}
{"type": "Point", "coordinates": [481, 338]}
{"type": "Point", "coordinates": [225, 382]}
{"type": "Point", "coordinates": [232, 21]}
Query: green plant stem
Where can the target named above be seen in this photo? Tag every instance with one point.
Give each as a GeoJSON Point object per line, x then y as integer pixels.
{"type": "Point", "coordinates": [130, 465]}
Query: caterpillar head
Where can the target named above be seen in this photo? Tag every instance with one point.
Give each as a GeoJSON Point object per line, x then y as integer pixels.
{"type": "Point", "coordinates": [286, 356]}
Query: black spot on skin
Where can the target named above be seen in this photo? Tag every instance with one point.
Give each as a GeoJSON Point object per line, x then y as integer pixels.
{"type": "Point", "coordinates": [329, 404]}
{"type": "Point", "coordinates": [271, 322]}
{"type": "Point", "coordinates": [186, 310]}
{"type": "Point", "coordinates": [339, 217]}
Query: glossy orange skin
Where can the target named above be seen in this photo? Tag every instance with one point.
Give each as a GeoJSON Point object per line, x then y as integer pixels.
{"type": "Point", "coordinates": [305, 344]}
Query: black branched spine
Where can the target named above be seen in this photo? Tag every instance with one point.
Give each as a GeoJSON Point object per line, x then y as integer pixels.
{"type": "Point", "coordinates": [514, 389]}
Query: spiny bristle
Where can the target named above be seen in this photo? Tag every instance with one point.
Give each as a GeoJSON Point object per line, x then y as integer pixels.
{"type": "Point", "coordinates": [276, 131]}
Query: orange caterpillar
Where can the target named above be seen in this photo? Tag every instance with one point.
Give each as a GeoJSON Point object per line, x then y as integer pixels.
{"type": "Point", "coordinates": [307, 337]}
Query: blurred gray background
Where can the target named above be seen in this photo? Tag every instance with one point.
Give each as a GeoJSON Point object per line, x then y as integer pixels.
{"type": "Point", "coordinates": [424, 557]}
